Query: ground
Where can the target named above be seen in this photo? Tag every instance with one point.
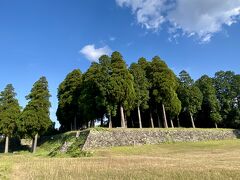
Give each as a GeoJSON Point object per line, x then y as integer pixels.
{"type": "Point", "coordinates": [199, 160]}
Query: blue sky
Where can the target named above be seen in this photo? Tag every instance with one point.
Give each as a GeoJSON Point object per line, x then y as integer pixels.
{"type": "Point", "coordinates": [52, 37]}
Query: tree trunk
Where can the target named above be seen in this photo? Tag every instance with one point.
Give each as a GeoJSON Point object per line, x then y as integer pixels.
{"type": "Point", "coordinates": [34, 145]}
{"type": "Point", "coordinates": [75, 123]}
{"type": "Point", "coordinates": [139, 118]}
{"type": "Point", "coordinates": [6, 144]}
{"type": "Point", "coordinates": [122, 117]}
{"type": "Point", "coordinates": [125, 120]}
{"type": "Point", "coordinates": [172, 123]}
{"type": "Point", "coordinates": [87, 124]}
{"type": "Point", "coordinates": [164, 116]}
{"type": "Point", "coordinates": [92, 123]}
{"type": "Point", "coordinates": [110, 121]}
{"type": "Point", "coordinates": [151, 120]}
{"type": "Point", "coordinates": [101, 122]}
{"type": "Point", "coordinates": [193, 125]}
{"type": "Point", "coordinates": [159, 122]}
{"type": "Point", "coordinates": [216, 126]}
{"type": "Point", "coordinates": [178, 121]}
{"type": "Point", "coordinates": [132, 122]}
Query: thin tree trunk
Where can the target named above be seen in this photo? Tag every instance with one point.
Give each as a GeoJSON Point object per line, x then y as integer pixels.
{"type": "Point", "coordinates": [71, 126]}
{"type": "Point", "coordinates": [151, 120]}
{"type": "Point", "coordinates": [110, 121]}
{"type": "Point", "coordinates": [101, 122]}
{"type": "Point", "coordinates": [178, 121]}
{"type": "Point", "coordinates": [6, 144]}
{"type": "Point", "coordinates": [139, 118]}
{"type": "Point", "coordinates": [125, 119]}
{"type": "Point", "coordinates": [35, 143]}
{"type": "Point", "coordinates": [132, 122]}
{"type": "Point", "coordinates": [193, 124]}
{"type": "Point", "coordinates": [172, 123]}
{"type": "Point", "coordinates": [216, 126]}
{"type": "Point", "coordinates": [164, 116]}
{"type": "Point", "coordinates": [92, 123]}
{"type": "Point", "coordinates": [159, 122]}
{"type": "Point", "coordinates": [122, 117]}
{"type": "Point", "coordinates": [75, 123]}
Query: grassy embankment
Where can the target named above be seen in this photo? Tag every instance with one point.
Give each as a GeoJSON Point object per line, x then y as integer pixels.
{"type": "Point", "coordinates": [200, 160]}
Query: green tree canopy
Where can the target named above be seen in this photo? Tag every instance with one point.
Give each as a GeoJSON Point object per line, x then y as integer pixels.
{"type": "Point", "coordinates": [91, 98]}
{"type": "Point", "coordinates": [189, 95]}
{"type": "Point", "coordinates": [9, 110]}
{"type": "Point", "coordinates": [163, 86]}
{"type": "Point", "coordinates": [68, 112]}
{"type": "Point", "coordinates": [35, 118]}
{"type": "Point", "coordinates": [121, 85]}
{"type": "Point", "coordinates": [210, 105]}
{"type": "Point", "coordinates": [141, 87]}
{"type": "Point", "coordinates": [9, 113]}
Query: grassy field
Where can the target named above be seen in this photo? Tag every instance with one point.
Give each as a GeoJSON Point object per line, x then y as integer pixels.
{"type": "Point", "coordinates": [201, 160]}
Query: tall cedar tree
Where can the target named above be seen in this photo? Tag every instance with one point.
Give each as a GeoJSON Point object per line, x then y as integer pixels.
{"type": "Point", "coordinates": [174, 109]}
{"type": "Point", "coordinates": [146, 66]}
{"type": "Point", "coordinates": [141, 87]}
{"type": "Point", "coordinates": [227, 87]}
{"type": "Point", "coordinates": [121, 85]}
{"type": "Point", "coordinates": [189, 95]}
{"type": "Point", "coordinates": [68, 112]}
{"type": "Point", "coordinates": [91, 98]}
{"type": "Point", "coordinates": [210, 105]}
{"type": "Point", "coordinates": [9, 113]}
{"type": "Point", "coordinates": [104, 83]}
{"type": "Point", "coordinates": [35, 119]}
{"type": "Point", "coordinates": [163, 87]}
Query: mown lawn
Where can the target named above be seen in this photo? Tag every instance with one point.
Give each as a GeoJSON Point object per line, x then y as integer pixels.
{"type": "Point", "coordinates": [200, 160]}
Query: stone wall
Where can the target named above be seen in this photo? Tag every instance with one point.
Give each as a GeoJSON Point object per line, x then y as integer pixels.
{"type": "Point", "coordinates": [129, 137]}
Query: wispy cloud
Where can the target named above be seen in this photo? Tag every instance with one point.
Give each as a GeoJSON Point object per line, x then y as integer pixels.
{"type": "Point", "coordinates": [112, 38]}
{"type": "Point", "coordinates": [200, 18]}
{"type": "Point", "coordinates": [93, 54]}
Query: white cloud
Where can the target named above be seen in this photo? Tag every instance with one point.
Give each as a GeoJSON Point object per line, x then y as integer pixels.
{"type": "Point", "coordinates": [204, 17]}
{"type": "Point", "coordinates": [112, 38]}
{"type": "Point", "coordinates": [201, 18]}
{"type": "Point", "coordinates": [93, 54]}
{"type": "Point", "coordinates": [148, 12]}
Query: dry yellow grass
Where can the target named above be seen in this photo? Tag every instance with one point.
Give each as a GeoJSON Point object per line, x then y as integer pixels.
{"type": "Point", "coordinates": [205, 160]}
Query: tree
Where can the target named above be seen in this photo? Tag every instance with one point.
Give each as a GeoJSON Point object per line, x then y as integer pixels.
{"type": "Point", "coordinates": [210, 105]}
{"type": "Point", "coordinates": [141, 87]}
{"type": "Point", "coordinates": [35, 119]}
{"type": "Point", "coordinates": [189, 95]}
{"type": "Point", "coordinates": [121, 84]}
{"type": "Point", "coordinates": [227, 96]}
{"type": "Point", "coordinates": [146, 66]}
{"type": "Point", "coordinates": [69, 90]}
{"type": "Point", "coordinates": [185, 79]}
{"type": "Point", "coordinates": [9, 113]}
{"type": "Point", "coordinates": [163, 86]}
{"type": "Point", "coordinates": [91, 98]}
{"type": "Point", "coordinates": [174, 108]}
{"type": "Point", "coordinates": [105, 85]}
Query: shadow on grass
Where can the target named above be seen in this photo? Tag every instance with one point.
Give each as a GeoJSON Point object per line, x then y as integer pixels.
{"type": "Point", "coordinates": [14, 146]}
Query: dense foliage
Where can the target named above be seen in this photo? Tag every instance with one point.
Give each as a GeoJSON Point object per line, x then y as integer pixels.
{"type": "Point", "coordinates": [147, 94]}
{"type": "Point", "coordinates": [9, 113]}
{"type": "Point", "coordinates": [35, 118]}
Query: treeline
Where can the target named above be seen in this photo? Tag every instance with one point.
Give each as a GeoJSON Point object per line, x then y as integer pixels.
{"type": "Point", "coordinates": [147, 94]}
{"type": "Point", "coordinates": [29, 122]}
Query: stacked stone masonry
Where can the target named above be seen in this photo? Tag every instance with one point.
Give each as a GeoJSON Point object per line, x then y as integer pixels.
{"type": "Point", "coordinates": [132, 137]}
